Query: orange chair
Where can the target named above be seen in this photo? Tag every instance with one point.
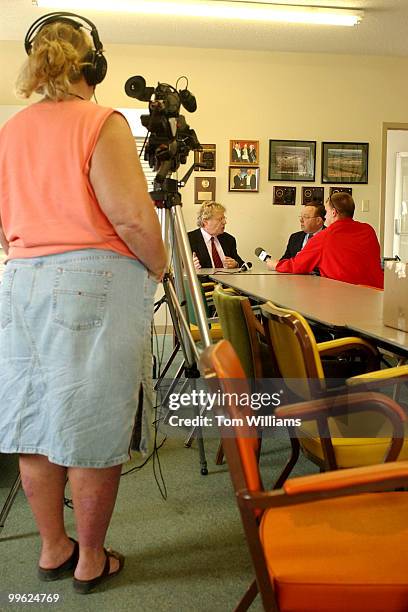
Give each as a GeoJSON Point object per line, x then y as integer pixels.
{"type": "Point", "coordinates": [321, 543]}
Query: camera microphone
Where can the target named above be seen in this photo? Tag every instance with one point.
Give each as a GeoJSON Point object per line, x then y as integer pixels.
{"type": "Point", "coordinates": [247, 265]}
{"type": "Point", "coordinates": [135, 87]}
{"type": "Point", "coordinates": [261, 254]}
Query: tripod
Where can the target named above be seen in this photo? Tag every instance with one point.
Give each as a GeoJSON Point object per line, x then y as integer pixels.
{"type": "Point", "coordinates": [168, 200]}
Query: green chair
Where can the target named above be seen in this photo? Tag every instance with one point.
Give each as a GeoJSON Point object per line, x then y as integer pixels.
{"type": "Point", "coordinates": [245, 332]}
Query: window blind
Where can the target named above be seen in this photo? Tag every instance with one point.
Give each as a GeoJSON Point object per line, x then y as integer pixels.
{"type": "Point", "coordinates": [148, 172]}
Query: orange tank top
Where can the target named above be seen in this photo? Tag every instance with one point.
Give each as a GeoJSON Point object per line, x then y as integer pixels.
{"type": "Point", "coordinates": [47, 203]}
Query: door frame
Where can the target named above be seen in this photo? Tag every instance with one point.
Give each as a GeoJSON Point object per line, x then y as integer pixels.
{"type": "Point", "coordinates": [386, 127]}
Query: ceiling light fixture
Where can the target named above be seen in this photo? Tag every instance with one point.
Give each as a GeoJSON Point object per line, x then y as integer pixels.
{"type": "Point", "coordinates": [246, 11]}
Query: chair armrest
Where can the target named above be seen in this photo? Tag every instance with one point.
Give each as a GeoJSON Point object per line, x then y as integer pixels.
{"type": "Point", "coordinates": [304, 489]}
{"type": "Point", "coordinates": [340, 479]}
{"type": "Point", "coordinates": [334, 347]}
{"type": "Point", "coordinates": [337, 405]}
{"type": "Point", "coordinates": [343, 345]}
{"type": "Point", "coordinates": [388, 375]}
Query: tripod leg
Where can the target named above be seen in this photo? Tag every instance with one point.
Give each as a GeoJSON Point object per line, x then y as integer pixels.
{"type": "Point", "coordinates": [201, 449]}
{"type": "Point", "coordinates": [188, 441]}
{"type": "Point", "coordinates": [154, 367]}
{"type": "Point", "coordinates": [197, 432]}
{"type": "Point", "coordinates": [167, 366]}
{"type": "Point", "coordinates": [172, 386]}
{"type": "Point", "coordinates": [9, 501]}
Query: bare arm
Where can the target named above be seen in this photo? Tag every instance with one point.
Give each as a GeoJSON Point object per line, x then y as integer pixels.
{"type": "Point", "coordinates": [120, 187]}
{"type": "Point", "coordinates": [3, 241]}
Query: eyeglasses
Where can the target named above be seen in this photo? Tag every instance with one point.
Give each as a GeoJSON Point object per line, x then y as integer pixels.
{"type": "Point", "coordinates": [301, 217]}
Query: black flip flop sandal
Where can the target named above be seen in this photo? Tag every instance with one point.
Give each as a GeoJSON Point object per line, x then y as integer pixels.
{"type": "Point", "coordinates": [87, 586]}
{"type": "Point", "coordinates": [48, 575]}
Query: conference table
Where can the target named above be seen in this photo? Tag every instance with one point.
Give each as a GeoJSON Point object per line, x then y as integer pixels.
{"type": "Point", "coordinates": [345, 308]}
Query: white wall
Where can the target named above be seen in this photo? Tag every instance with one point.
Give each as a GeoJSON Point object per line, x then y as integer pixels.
{"type": "Point", "coordinates": [262, 96]}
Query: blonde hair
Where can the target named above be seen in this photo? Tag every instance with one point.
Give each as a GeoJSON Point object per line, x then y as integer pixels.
{"type": "Point", "coordinates": [207, 211]}
{"type": "Point", "coordinates": [58, 54]}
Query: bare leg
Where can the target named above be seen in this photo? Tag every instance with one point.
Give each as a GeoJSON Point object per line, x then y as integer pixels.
{"type": "Point", "coordinates": [94, 493]}
{"type": "Point", "coordinates": [44, 483]}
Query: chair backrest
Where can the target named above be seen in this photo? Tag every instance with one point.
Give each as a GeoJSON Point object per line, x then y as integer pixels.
{"type": "Point", "coordinates": [294, 346]}
{"type": "Point", "coordinates": [240, 440]}
{"type": "Point", "coordinates": [234, 327]}
{"type": "Point", "coordinates": [246, 334]}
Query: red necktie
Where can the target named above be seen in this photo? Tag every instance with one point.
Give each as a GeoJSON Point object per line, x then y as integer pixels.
{"type": "Point", "coordinates": [215, 255]}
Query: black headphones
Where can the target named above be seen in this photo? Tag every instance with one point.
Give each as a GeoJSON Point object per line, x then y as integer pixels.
{"type": "Point", "coordinates": [95, 71]}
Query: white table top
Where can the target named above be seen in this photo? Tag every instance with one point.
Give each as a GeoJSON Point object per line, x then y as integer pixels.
{"type": "Point", "coordinates": [331, 303]}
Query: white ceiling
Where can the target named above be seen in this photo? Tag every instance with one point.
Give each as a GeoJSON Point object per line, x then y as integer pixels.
{"type": "Point", "coordinates": [383, 31]}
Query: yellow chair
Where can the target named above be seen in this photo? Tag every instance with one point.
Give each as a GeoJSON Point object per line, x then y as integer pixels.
{"type": "Point", "coordinates": [322, 543]}
{"type": "Point", "coordinates": [213, 323]}
{"type": "Point", "coordinates": [299, 359]}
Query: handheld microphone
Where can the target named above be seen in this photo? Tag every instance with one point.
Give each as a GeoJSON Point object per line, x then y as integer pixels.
{"type": "Point", "coordinates": [261, 254]}
{"type": "Point", "coordinates": [247, 265]}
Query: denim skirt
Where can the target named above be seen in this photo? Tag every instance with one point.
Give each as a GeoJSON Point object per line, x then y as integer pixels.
{"type": "Point", "coordinates": [74, 350]}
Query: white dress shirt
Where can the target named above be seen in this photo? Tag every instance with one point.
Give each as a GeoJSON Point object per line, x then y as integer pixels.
{"type": "Point", "coordinates": [308, 236]}
{"type": "Point", "coordinates": [207, 239]}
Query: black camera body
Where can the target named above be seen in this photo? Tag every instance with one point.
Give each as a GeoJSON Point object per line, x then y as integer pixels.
{"type": "Point", "coordinates": [170, 139]}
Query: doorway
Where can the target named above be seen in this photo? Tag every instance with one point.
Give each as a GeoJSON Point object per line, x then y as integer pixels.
{"type": "Point", "coordinates": [394, 186]}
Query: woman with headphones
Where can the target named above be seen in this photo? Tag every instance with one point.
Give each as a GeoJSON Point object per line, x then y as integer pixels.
{"type": "Point", "coordinates": [85, 254]}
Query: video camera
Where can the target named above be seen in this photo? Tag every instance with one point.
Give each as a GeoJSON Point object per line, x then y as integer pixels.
{"type": "Point", "coordinates": [170, 139]}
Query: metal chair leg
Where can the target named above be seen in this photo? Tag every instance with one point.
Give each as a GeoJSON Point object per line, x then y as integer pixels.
{"type": "Point", "coordinates": [9, 501]}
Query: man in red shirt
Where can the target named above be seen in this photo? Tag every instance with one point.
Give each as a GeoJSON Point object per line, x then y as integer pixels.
{"type": "Point", "coordinates": [347, 250]}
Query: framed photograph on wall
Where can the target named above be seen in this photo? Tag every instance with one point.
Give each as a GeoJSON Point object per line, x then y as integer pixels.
{"type": "Point", "coordinates": [292, 160]}
{"type": "Point", "coordinates": [243, 178]}
{"type": "Point", "coordinates": [344, 162]}
{"type": "Point", "coordinates": [207, 156]}
{"type": "Point", "coordinates": [244, 152]}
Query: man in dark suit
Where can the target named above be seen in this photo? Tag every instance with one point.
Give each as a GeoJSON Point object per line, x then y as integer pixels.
{"type": "Point", "coordinates": [212, 247]}
{"type": "Point", "coordinates": [311, 222]}
{"type": "Point", "coordinates": [240, 179]}
{"type": "Point", "coordinates": [252, 154]}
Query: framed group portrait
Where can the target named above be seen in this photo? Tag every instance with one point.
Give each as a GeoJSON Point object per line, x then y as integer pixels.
{"type": "Point", "coordinates": [243, 178]}
{"type": "Point", "coordinates": [292, 160]}
{"type": "Point", "coordinates": [244, 152]}
{"type": "Point", "coordinates": [344, 162]}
